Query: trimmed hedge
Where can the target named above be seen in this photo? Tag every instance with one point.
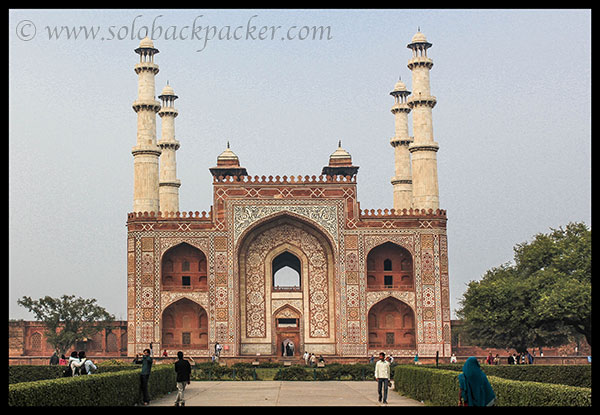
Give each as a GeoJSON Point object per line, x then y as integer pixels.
{"type": "Point", "coordinates": [103, 389]}
{"type": "Point", "coordinates": [212, 371]}
{"type": "Point", "coordinates": [31, 373]}
{"type": "Point", "coordinates": [334, 371]}
{"type": "Point", "coordinates": [246, 371]}
{"type": "Point", "coordinates": [571, 375]}
{"type": "Point", "coordinates": [440, 387]}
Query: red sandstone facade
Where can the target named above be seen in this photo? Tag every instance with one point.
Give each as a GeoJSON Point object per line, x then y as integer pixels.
{"type": "Point", "coordinates": [27, 338]}
{"type": "Point", "coordinates": [287, 264]}
{"type": "Point", "coordinates": [368, 281]}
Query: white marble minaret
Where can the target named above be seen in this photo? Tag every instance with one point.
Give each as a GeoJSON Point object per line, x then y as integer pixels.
{"type": "Point", "coordinates": [146, 152]}
{"type": "Point", "coordinates": [423, 149]}
{"type": "Point", "coordinates": [402, 180]}
{"type": "Point", "coordinates": [168, 183]}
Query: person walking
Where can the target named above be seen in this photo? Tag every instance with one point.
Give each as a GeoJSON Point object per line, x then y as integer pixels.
{"type": "Point", "coordinates": [474, 386]}
{"type": "Point", "coordinates": [183, 369]}
{"type": "Point", "coordinates": [382, 375]}
{"type": "Point", "coordinates": [146, 362]}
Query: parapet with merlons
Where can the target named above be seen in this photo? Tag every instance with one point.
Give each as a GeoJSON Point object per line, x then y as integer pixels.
{"type": "Point", "coordinates": [284, 179]}
{"type": "Point", "coordinates": [170, 220]}
{"type": "Point", "coordinates": [392, 213]}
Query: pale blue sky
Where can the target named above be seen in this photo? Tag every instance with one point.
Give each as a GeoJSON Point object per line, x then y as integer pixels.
{"type": "Point", "coordinates": [513, 121]}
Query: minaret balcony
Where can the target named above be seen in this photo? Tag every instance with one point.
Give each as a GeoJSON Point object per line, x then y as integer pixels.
{"type": "Point", "coordinates": [140, 149]}
{"type": "Point", "coordinates": [173, 145]}
{"type": "Point", "coordinates": [400, 108]}
{"type": "Point", "coordinates": [146, 66]}
{"type": "Point", "coordinates": [151, 105]}
{"type": "Point", "coordinates": [417, 61]}
{"type": "Point", "coordinates": [431, 146]}
{"type": "Point", "coordinates": [418, 100]}
{"type": "Point", "coordinates": [400, 141]}
{"type": "Point", "coordinates": [168, 111]}
{"type": "Point", "coordinates": [170, 183]}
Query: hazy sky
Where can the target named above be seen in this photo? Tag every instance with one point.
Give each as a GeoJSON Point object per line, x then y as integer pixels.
{"type": "Point", "coordinates": [513, 122]}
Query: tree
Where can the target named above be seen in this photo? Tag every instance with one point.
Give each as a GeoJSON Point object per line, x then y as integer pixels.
{"type": "Point", "coordinates": [544, 299]}
{"type": "Point", "coordinates": [68, 319]}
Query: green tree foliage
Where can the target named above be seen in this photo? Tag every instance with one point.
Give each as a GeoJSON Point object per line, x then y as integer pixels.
{"type": "Point", "coordinates": [68, 319]}
{"type": "Point", "coordinates": [543, 299]}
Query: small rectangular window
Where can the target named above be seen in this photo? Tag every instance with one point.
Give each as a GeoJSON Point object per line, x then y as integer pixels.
{"type": "Point", "coordinates": [388, 280]}
{"type": "Point", "coordinates": [186, 338]}
{"type": "Point", "coordinates": [185, 280]}
{"type": "Point", "coordinates": [287, 322]}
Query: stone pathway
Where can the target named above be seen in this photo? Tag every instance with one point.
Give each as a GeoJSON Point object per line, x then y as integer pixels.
{"type": "Point", "coordinates": [284, 393]}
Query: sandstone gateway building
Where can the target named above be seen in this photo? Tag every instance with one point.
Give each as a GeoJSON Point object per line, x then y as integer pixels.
{"type": "Point", "coordinates": [357, 282]}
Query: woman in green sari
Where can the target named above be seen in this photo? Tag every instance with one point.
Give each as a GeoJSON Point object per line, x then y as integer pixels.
{"type": "Point", "coordinates": [475, 389]}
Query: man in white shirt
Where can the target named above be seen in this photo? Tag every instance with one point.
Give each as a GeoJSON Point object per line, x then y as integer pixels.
{"type": "Point", "coordinates": [382, 375]}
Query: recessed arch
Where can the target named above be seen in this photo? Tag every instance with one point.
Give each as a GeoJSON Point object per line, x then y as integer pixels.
{"type": "Point", "coordinates": [184, 325]}
{"type": "Point", "coordinates": [184, 268]}
{"type": "Point", "coordinates": [389, 266]}
{"type": "Point", "coordinates": [391, 325]}
{"type": "Point", "coordinates": [285, 236]}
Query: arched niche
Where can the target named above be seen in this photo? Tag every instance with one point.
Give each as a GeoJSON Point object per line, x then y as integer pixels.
{"type": "Point", "coordinates": [184, 326]}
{"type": "Point", "coordinates": [390, 266]}
{"type": "Point", "coordinates": [268, 247]}
{"type": "Point", "coordinates": [184, 268]}
{"type": "Point", "coordinates": [391, 325]}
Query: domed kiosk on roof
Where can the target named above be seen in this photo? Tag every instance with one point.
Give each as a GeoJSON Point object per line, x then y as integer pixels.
{"type": "Point", "coordinates": [340, 163]}
{"type": "Point", "coordinates": [228, 164]}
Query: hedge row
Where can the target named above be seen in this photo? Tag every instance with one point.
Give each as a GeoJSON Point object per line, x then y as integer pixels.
{"type": "Point", "coordinates": [244, 371]}
{"type": "Point", "coordinates": [216, 372]}
{"type": "Point", "coordinates": [440, 387]}
{"type": "Point", "coordinates": [103, 389]}
{"type": "Point", "coordinates": [334, 371]}
{"type": "Point", "coordinates": [571, 375]}
{"type": "Point", "coordinates": [31, 373]}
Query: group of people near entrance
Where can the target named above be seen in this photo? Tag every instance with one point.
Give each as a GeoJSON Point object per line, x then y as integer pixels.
{"type": "Point", "coordinates": [311, 360]}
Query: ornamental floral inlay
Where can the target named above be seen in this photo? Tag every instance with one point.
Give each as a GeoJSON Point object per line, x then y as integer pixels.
{"type": "Point", "coordinates": [324, 215]}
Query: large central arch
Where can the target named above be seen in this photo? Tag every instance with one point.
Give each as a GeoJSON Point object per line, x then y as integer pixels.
{"type": "Point", "coordinates": [258, 249]}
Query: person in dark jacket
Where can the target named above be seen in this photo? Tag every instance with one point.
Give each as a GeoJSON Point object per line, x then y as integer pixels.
{"type": "Point", "coordinates": [146, 362]}
{"type": "Point", "coordinates": [54, 359]}
{"type": "Point", "coordinates": [183, 369]}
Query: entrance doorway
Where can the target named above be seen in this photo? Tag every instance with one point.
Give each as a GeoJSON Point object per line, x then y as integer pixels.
{"type": "Point", "coordinates": [287, 338]}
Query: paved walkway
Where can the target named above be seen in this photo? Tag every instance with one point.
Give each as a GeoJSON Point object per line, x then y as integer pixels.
{"type": "Point", "coordinates": [284, 393]}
